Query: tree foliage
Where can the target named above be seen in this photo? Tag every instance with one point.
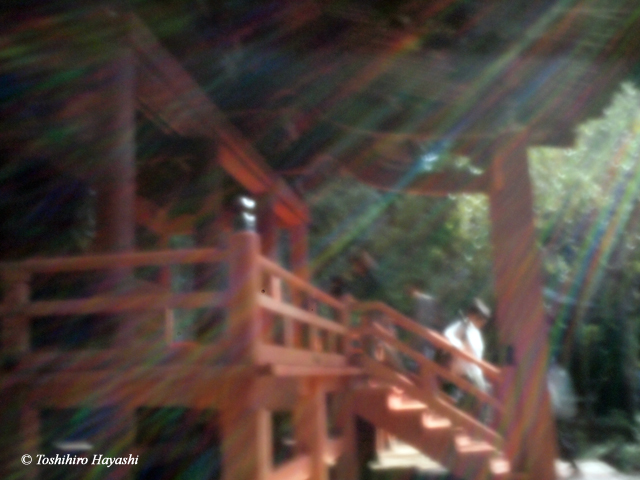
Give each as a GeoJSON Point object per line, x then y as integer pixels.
{"type": "Point", "coordinates": [440, 242]}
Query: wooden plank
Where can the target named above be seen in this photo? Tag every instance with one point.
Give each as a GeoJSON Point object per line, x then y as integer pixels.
{"type": "Point", "coordinates": [119, 303]}
{"type": "Point", "coordinates": [300, 315]}
{"type": "Point", "coordinates": [116, 260]}
{"type": "Point", "coordinates": [313, 371]}
{"type": "Point", "coordinates": [275, 354]}
{"type": "Point", "coordinates": [490, 371]}
{"type": "Point", "coordinates": [298, 468]}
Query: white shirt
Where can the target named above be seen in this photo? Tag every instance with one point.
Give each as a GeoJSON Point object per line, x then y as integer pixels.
{"type": "Point", "coordinates": [467, 337]}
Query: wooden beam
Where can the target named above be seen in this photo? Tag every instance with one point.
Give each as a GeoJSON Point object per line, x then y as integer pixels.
{"type": "Point", "coordinates": [275, 354]}
{"type": "Point", "coordinates": [167, 92]}
{"type": "Point", "coordinates": [437, 184]}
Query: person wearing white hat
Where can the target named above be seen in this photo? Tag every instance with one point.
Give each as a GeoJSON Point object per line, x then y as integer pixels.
{"type": "Point", "coordinates": [465, 334]}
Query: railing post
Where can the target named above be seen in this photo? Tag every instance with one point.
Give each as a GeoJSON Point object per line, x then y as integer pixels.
{"type": "Point", "coordinates": [30, 440]}
{"type": "Point", "coordinates": [347, 465]}
{"type": "Point", "coordinates": [344, 317]}
{"type": "Point", "coordinates": [310, 420]}
{"type": "Point", "coordinates": [244, 286]}
{"type": "Point", "coordinates": [15, 327]}
{"type": "Point", "coordinates": [247, 435]}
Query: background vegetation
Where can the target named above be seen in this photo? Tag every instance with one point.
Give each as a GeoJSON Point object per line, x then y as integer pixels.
{"type": "Point", "coordinates": [588, 214]}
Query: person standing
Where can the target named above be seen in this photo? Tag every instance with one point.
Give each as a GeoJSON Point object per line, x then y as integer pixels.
{"type": "Point", "coordinates": [466, 335]}
{"type": "Point", "coordinates": [426, 314]}
{"type": "Point", "coordinates": [365, 286]}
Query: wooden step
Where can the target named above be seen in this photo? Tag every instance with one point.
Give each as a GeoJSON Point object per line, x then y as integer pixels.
{"type": "Point", "coordinates": [433, 421]}
{"type": "Point", "coordinates": [406, 425]}
{"type": "Point", "coordinates": [466, 444]}
{"type": "Point", "coordinates": [398, 400]}
{"type": "Point", "coordinates": [432, 434]}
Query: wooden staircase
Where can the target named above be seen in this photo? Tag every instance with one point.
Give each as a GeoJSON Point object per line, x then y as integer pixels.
{"type": "Point", "coordinates": [413, 408]}
{"type": "Point", "coordinates": [432, 434]}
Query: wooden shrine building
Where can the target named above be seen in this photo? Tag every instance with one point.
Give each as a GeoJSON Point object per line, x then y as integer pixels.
{"type": "Point", "coordinates": [170, 333]}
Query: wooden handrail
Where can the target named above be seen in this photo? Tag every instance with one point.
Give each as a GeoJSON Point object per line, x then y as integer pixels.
{"type": "Point", "coordinates": [116, 303]}
{"type": "Point", "coordinates": [438, 404]}
{"type": "Point", "coordinates": [435, 338]}
{"type": "Point", "coordinates": [300, 315]}
{"type": "Point", "coordinates": [116, 260]}
{"type": "Point", "coordinates": [294, 280]}
{"type": "Point", "coordinates": [462, 383]}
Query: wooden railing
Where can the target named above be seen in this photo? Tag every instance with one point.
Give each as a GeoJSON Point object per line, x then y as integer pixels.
{"type": "Point", "coordinates": [145, 309]}
{"type": "Point", "coordinates": [270, 315]}
{"type": "Point", "coordinates": [274, 324]}
{"type": "Point", "coordinates": [425, 384]}
{"type": "Point", "coordinates": [300, 324]}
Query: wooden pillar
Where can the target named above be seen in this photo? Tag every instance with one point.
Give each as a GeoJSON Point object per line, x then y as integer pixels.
{"type": "Point", "coordinates": [268, 226]}
{"type": "Point", "coordinates": [310, 423]}
{"type": "Point", "coordinates": [247, 443]}
{"type": "Point", "coordinates": [125, 436]}
{"type": "Point", "coordinates": [115, 175]}
{"type": "Point", "coordinates": [164, 280]}
{"type": "Point", "coordinates": [16, 338]}
{"type": "Point", "coordinates": [30, 441]}
{"type": "Point", "coordinates": [527, 422]}
{"type": "Point", "coordinates": [299, 246]}
{"type": "Point", "coordinates": [347, 467]}
{"type": "Point", "coordinates": [244, 286]}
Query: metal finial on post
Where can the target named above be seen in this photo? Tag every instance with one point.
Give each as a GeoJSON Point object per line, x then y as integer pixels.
{"type": "Point", "coordinates": [246, 219]}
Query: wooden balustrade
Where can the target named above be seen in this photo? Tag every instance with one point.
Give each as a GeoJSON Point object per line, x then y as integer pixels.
{"type": "Point", "coordinates": [18, 307]}
{"type": "Point", "coordinates": [425, 386]}
{"type": "Point", "coordinates": [437, 340]}
{"type": "Point", "coordinates": [306, 326]}
{"type": "Point", "coordinates": [274, 316]}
